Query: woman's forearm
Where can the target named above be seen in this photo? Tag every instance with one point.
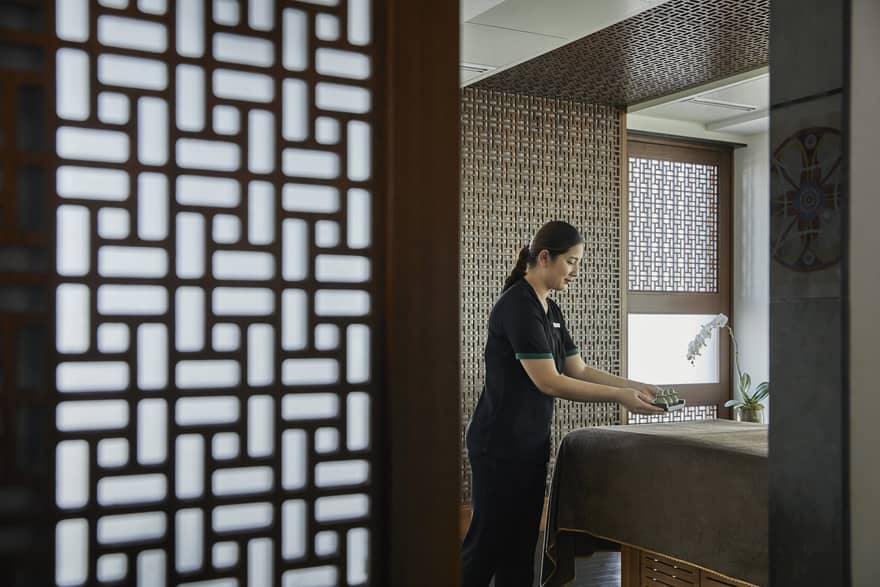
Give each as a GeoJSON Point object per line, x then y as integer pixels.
{"type": "Point", "coordinates": [574, 389]}
{"type": "Point", "coordinates": [593, 375]}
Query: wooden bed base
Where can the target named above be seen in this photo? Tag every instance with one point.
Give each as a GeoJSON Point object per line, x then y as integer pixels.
{"type": "Point", "coordinates": [642, 569]}
{"type": "Point", "coordinates": [639, 568]}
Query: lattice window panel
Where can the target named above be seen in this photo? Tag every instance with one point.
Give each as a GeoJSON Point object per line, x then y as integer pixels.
{"type": "Point", "coordinates": [215, 297]}
{"type": "Point", "coordinates": [525, 161]}
{"type": "Point", "coordinates": [673, 226]}
{"type": "Point", "coordinates": [686, 414]}
{"type": "Point", "coordinates": [675, 45]}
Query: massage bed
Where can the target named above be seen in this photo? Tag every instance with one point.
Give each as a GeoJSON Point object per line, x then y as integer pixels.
{"type": "Point", "coordinates": [685, 502]}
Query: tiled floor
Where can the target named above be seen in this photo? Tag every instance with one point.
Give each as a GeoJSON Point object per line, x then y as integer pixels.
{"type": "Point", "coordinates": [600, 570]}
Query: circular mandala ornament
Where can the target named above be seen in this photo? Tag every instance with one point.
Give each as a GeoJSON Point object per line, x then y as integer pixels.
{"type": "Point", "coordinates": [806, 201]}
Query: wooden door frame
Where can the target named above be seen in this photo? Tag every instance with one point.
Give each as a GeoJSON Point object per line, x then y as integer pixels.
{"type": "Point", "coordinates": [421, 347]}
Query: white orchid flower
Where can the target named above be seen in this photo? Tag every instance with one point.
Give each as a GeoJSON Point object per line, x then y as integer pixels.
{"type": "Point", "coordinates": [744, 381]}
{"type": "Point", "coordinates": [694, 347]}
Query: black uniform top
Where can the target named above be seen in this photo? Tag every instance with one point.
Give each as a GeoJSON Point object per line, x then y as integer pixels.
{"type": "Point", "coordinates": [512, 418]}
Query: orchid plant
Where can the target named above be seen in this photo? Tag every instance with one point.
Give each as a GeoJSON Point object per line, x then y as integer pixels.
{"type": "Point", "coordinates": [748, 400]}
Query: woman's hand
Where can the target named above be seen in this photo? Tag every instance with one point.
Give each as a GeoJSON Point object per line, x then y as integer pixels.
{"type": "Point", "coordinates": [651, 390]}
{"type": "Point", "coordinates": [638, 401]}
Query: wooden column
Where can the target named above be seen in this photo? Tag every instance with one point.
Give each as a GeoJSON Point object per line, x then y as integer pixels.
{"type": "Point", "coordinates": [421, 229]}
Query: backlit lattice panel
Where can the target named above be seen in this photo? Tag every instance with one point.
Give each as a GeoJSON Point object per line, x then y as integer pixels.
{"type": "Point", "coordinates": [673, 226]}
{"type": "Point", "coordinates": [215, 299]}
{"type": "Point", "coordinates": [526, 161]}
{"type": "Point", "coordinates": [686, 414]}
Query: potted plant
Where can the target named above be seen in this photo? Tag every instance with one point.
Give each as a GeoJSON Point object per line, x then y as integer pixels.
{"type": "Point", "coordinates": [748, 407]}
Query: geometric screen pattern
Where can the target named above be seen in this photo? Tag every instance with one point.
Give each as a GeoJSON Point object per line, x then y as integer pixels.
{"type": "Point", "coordinates": [524, 161]}
{"type": "Point", "coordinates": [667, 48]}
{"type": "Point", "coordinates": [215, 292]}
{"type": "Point", "coordinates": [673, 226]}
{"type": "Point", "coordinates": [687, 414]}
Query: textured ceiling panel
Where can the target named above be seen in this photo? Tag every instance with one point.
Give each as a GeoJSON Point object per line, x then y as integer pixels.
{"type": "Point", "coordinates": [672, 47]}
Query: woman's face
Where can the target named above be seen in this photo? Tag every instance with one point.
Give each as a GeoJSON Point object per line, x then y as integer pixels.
{"type": "Point", "coordinates": [563, 269]}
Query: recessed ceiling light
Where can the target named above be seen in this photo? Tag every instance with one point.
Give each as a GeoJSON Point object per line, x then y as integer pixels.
{"type": "Point", "coordinates": [477, 67]}
{"type": "Point", "coordinates": [721, 104]}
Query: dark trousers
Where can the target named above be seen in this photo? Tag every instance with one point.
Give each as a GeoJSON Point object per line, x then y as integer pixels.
{"type": "Point", "coordinates": [506, 502]}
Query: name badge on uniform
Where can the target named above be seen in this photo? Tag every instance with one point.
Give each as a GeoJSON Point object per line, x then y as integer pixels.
{"type": "Point", "coordinates": [557, 325]}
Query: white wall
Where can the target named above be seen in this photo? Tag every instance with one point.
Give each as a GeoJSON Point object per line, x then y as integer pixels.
{"type": "Point", "coordinates": [750, 297]}
{"type": "Point", "coordinates": [751, 257]}
{"type": "Point", "coordinates": [864, 286]}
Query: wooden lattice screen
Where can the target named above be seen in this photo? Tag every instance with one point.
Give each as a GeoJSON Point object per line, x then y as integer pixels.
{"type": "Point", "coordinates": [189, 293]}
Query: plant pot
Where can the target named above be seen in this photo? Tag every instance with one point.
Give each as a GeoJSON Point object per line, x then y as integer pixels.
{"type": "Point", "coordinates": [749, 414]}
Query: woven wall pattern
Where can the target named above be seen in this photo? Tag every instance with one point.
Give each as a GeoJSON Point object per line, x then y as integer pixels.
{"type": "Point", "coordinates": [525, 161]}
{"type": "Point", "coordinates": [676, 45]}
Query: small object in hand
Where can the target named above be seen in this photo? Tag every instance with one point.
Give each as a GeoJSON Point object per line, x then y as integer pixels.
{"type": "Point", "coordinates": [668, 400]}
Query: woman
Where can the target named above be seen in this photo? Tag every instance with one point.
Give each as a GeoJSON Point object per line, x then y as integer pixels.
{"type": "Point", "coordinates": [530, 360]}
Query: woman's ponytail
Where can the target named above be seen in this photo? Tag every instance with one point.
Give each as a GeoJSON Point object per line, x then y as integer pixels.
{"type": "Point", "coordinates": [519, 270]}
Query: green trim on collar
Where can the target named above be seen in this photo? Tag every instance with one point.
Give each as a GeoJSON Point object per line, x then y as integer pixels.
{"type": "Point", "coordinates": [574, 351]}
{"type": "Point", "coordinates": [533, 356]}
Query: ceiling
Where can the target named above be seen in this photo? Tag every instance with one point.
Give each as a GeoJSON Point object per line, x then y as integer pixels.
{"type": "Point", "coordinates": [669, 47]}
{"type": "Point", "coordinates": [736, 106]}
{"type": "Point", "coordinates": [497, 34]}
{"type": "Point", "coordinates": [699, 62]}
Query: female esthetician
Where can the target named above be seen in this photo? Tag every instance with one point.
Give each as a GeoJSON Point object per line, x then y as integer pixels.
{"type": "Point", "coordinates": [530, 360]}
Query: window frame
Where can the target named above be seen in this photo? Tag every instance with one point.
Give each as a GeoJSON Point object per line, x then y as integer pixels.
{"type": "Point", "coordinates": [662, 147]}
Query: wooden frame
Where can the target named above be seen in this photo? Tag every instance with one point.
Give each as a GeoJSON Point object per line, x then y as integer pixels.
{"type": "Point", "coordinates": [624, 253]}
{"type": "Point", "coordinates": [421, 230]}
{"type": "Point", "coordinates": [641, 567]}
{"type": "Point", "coordinates": [697, 151]}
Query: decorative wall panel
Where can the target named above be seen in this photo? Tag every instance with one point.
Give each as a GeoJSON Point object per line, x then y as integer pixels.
{"type": "Point", "coordinates": [674, 46]}
{"type": "Point", "coordinates": [196, 353]}
{"type": "Point", "coordinates": [526, 161]}
{"type": "Point", "coordinates": [686, 414]}
{"type": "Point", "coordinates": [673, 226]}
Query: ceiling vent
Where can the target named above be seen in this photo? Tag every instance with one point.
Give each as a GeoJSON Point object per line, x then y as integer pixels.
{"type": "Point", "coordinates": [721, 104]}
{"type": "Point", "coordinates": [477, 67]}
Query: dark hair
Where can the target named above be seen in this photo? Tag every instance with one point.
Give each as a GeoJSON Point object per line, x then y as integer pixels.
{"type": "Point", "coordinates": [555, 237]}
